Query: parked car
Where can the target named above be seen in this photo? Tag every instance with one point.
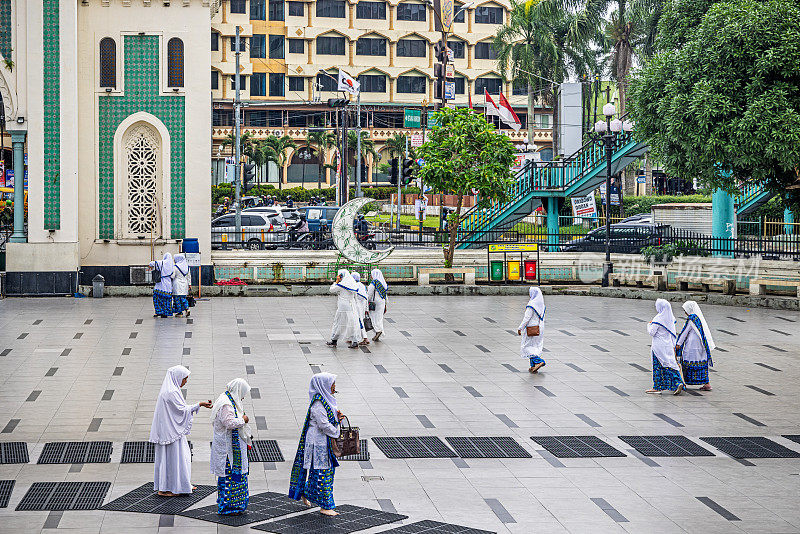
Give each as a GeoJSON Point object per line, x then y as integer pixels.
{"type": "Point", "coordinates": [641, 218]}
{"type": "Point", "coordinates": [316, 214]}
{"type": "Point", "coordinates": [626, 238]}
{"type": "Point", "coordinates": [275, 215]}
{"type": "Point", "coordinates": [258, 232]}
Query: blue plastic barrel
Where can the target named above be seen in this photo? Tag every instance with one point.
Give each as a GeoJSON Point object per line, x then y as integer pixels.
{"type": "Point", "coordinates": [190, 244]}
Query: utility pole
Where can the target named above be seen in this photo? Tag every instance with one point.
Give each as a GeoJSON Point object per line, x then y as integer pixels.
{"type": "Point", "coordinates": [344, 189]}
{"type": "Point", "coordinates": [358, 146]}
{"type": "Point", "coordinates": [237, 121]}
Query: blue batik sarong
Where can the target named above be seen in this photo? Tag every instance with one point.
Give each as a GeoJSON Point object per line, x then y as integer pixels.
{"type": "Point", "coordinates": [665, 377]}
{"type": "Point", "coordinates": [233, 495]}
{"type": "Point", "coordinates": [179, 303]}
{"type": "Point", "coordinates": [316, 485]}
{"type": "Point", "coordinates": [696, 373]}
{"type": "Point", "coordinates": [537, 359]}
{"type": "Point", "coordinates": [162, 302]}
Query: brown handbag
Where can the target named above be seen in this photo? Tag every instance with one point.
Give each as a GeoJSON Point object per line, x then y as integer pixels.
{"type": "Point", "coordinates": [532, 331]}
{"type": "Point", "coordinates": [348, 442]}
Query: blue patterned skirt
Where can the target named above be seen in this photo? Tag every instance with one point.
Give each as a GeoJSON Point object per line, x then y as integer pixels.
{"type": "Point", "coordinates": [319, 487]}
{"type": "Point", "coordinates": [162, 302]}
{"type": "Point", "coordinates": [535, 360]}
{"type": "Point", "coordinates": [179, 303]}
{"type": "Point", "coordinates": [665, 377]}
{"type": "Point", "coordinates": [696, 373]}
{"type": "Point", "coordinates": [232, 496]}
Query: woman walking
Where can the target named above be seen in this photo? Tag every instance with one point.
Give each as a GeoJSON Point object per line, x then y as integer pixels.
{"type": "Point", "coordinates": [232, 436]}
{"type": "Point", "coordinates": [694, 347]}
{"type": "Point", "coordinates": [172, 421]}
{"type": "Point", "coordinates": [666, 371]}
{"type": "Point", "coordinates": [181, 282]}
{"type": "Point", "coordinates": [314, 464]}
{"type": "Point", "coordinates": [162, 292]}
{"type": "Point", "coordinates": [345, 320]}
{"type": "Point", "coordinates": [532, 345]}
{"type": "Point", "coordinates": [376, 294]}
{"type": "Point", "coordinates": [361, 308]}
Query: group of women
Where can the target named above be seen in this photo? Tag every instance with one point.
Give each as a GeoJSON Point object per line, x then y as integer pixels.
{"type": "Point", "coordinates": [314, 464]}
{"type": "Point", "coordinates": [679, 359]}
{"type": "Point", "coordinates": [354, 301]}
{"type": "Point", "coordinates": [171, 292]}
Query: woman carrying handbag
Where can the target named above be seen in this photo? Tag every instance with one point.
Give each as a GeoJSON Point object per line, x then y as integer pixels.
{"type": "Point", "coordinates": [532, 330]}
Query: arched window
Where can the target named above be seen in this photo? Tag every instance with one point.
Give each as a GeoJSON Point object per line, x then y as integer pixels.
{"type": "Point", "coordinates": [175, 62]}
{"type": "Point", "coordinates": [142, 153]}
{"type": "Point", "coordinates": [108, 62]}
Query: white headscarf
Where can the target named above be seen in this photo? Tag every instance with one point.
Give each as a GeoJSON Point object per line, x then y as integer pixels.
{"type": "Point", "coordinates": [665, 318]}
{"type": "Point", "coordinates": [181, 264]}
{"type": "Point", "coordinates": [691, 307]}
{"type": "Point", "coordinates": [238, 388]}
{"type": "Point", "coordinates": [377, 275]}
{"type": "Point", "coordinates": [321, 383]}
{"type": "Point", "coordinates": [167, 265]}
{"type": "Point", "coordinates": [356, 276]}
{"type": "Point", "coordinates": [536, 301]}
{"type": "Point", "coordinates": [361, 289]}
{"type": "Point", "coordinates": [173, 417]}
{"type": "Point", "coordinates": [347, 281]}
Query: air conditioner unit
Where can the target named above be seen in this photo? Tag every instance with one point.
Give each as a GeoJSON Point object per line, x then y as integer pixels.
{"type": "Point", "coordinates": [141, 275]}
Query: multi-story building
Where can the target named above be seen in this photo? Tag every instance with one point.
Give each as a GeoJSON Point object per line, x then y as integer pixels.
{"type": "Point", "coordinates": [387, 45]}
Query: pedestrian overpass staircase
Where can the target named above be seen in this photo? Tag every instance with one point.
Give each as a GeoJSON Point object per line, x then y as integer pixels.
{"type": "Point", "coordinates": [750, 198]}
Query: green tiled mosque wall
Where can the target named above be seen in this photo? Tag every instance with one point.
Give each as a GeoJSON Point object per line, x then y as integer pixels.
{"type": "Point", "coordinates": [52, 114]}
{"type": "Point", "coordinates": [142, 93]}
{"type": "Point", "coordinates": [5, 28]}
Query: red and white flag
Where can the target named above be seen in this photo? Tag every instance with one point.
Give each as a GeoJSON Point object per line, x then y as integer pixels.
{"type": "Point", "coordinates": [507, 115]}
{"type": "Point", "coordinates": [348, 84]}
{"type": "Point", "coordinates": [491, 107]}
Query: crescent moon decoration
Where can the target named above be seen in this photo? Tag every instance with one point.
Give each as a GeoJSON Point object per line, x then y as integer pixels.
{"type": "Point", "coordinates": [345, 239]}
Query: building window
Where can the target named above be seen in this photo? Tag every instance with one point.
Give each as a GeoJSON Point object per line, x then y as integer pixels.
{"type": "Point", "coordinates": [371, 10]}
{"type": "Point", "coordinates": [242, 44]}
{"type": "Point", "coordinates": [238, 6]}
{"type": "Point", "coordinates": [330, 8]}
{"type": "Point", "coordinates": [258, 10]}
{"type": "Point", "coordinates": [297, 46]}
{"type": "Point", "coordinates": [367, 46]}
{"type": "Point", "coordinates": [214, 79]}
{"type": "Point", "coordinates": [330, 46]}
{"type": "Point", "coordinates": [242, 81]}
{"type": "Point", "coordinates": [222, 117]}
{"type": "Point", "coordinates": [492, 85]}
{"type": "Point", "coordinates": [108, 62]}
{"type": "Point", "coordinates": [175, 62]}
{"type": "Point", "coordinates": [297, 83]}
{"type": "Point", "coordinates": [276, 46]}
{"type": "Point", "coordinates": [414, 12]}
{"type": "Point", "coordinates": [276, 84]}
{"type": "Point", "coordinates": [411, 84]}
{"type": "Point", "coordinates": [488, 15]}
{"type": "Point", "coordinates": [275, 9]}
{"type": "Point", "coordinates": [460, 16]}
{"type": "Point", "coordinates": [256, 118]}
{"type": "Point", "coordinates": [460, 85]}
{"type": "Point", "coordinates": [458, 48]}
{"type": "Point", "coordinates": [258, 84]}
{"type": "Point", "coordinates": [541, 120]}
{"type": "Point", "coordinates": [411, 47]}
{"type": "Point", "coordinates": [258, 45]}
{"type": "Point", "coordinates": [372, 83]}
{"type": "Point", "coordinates": [520, 87]}
{"type": "Point", "coordinates": [326, 83]}
{"type": "Point", "coordinates": [485, 51]}
{"type": "Point", "coordinates": [297, 9]}
{"type": "Point", "coordinates": [214, 42]}
{"type": "Point", "coordinates": [142, 149]}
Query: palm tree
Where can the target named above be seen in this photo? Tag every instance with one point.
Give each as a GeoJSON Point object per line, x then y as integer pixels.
{"type": "Point", "coordinates": [322, 141]}
{"type": "Point", "coordinates": [396, 145]}
{"type": "Point", "coordinates": [277, 148]}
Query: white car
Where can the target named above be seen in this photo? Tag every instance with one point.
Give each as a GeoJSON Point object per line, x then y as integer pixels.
{"type": "Point", "coordinates": [259, 231]}
{"type": "Point", "coordinates": [274, 213]}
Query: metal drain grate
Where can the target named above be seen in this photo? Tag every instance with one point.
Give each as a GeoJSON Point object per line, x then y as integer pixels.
{"type": "Point", "coordinates": [751, 447]}
{"type": "Point", "coordinates": [792, 437]}
{"type": "Point", "coordinates": [261, 507]}
{"type": "Point", "coordinates": [350, 519]}
{"type": "Point", "coordinates": [138, 452]}
{"type": "Point", "coordinates": [6, 487]}
{"type": "Point", "coordinates": [59, 496]}
{"type": "Point", "coordinates": [665, 446]}
{"type": "Point", "coordinates": [14, 452]}
{"type": "Point", "coordinates": [488, 447]}
{"type": "Point", "coordinates": [413, 447]}
{"type": "Point", "coordinates": [76, 452]}
{"type": "Point", "coordinates": [265, 450]}
{"type": "Point", "coordinates": [363, 456]}
{"type": "Point", "coordinates": [434, 527]}
{"type": "Point", "coordinates": [144, 499]}
{"type": "Point", "coordinates": [577, 446]}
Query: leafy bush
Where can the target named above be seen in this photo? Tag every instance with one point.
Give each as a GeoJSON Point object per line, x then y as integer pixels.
{"type": "Point", "coordinates": [636, 205]}
{"type": "Point", "coordinates": [299, 194]}
{"type": "Point", "coordinates": [673, 249]}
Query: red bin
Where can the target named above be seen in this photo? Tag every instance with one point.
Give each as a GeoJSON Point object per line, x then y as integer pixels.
{"type": "Point", "coordinates": [530, 269]}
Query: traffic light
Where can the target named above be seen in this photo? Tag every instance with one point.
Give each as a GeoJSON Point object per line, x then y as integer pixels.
{"type": "Point", "coordinates": [249, 172]}
{"type": "Point", "coordinates": [395, 172]}
{"type": "Point", "coordinates": [337, 102]}
{"type": "Point", "coordinates": [439, 68]}
{"type": "Point", "coordinates": [408, 171]}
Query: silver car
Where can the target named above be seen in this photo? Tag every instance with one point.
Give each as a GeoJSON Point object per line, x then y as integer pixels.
{"type": "Point", "coordinates": [259, 231]}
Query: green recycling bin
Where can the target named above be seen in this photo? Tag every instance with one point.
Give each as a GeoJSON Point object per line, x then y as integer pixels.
{"type": "Point", "coordinates": [496, 271]}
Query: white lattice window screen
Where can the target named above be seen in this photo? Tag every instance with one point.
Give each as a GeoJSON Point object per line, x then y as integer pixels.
{"type": "Point", "coordinates": [143, 168]}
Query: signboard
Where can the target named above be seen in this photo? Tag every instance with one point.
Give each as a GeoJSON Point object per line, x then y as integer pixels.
{"type": "Point", "coordinates": [192, 258]}
{"type": "Point", "coordinates": [450, 71]}
{"type": "Point", "coordinates": [451, 56]}
{"type": "Point", "coordinates": [514, 247]}
{"type": "Point", "coordinates": [412, 118]}
{"type": "Point", "coordinates": [443, 11]}
{"type": "Point", "coordinates": [641, 179]}
{"type": "Point", "coordinates": [9, 177]}
{"type": "Point", "coordinates": [584, 206]}
{"type": "Point", "coordinates": [449, 90]}
{"type": "Point", "coordinates": [614, 194]}
{"type": "Point", "coordinates": [416, 140]}
{"type": "Point", "coordinates": [3, 172]}
{"type": "Point", "coordinates": [432, 120]}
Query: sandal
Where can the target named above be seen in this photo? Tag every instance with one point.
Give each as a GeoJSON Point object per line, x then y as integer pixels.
{"type": "Point", "coordinates": [653, 391]}
{"type": "Point", "coordinates": [679, 390]}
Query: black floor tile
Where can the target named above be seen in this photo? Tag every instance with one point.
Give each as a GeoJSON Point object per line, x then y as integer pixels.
{"type": "Point", "coordinates": [446, 368]}
{"type": "Point", "coordinates": [117, 371]}
{"type": "Point", "coordinates": [546, 391]}
{"type": "Point", "coordinates": [14, 452]}
{"type": "Point", "coordinates": [413, 447]}
{"type": "Point", "coordinates": [511, 368]}
{"type": "Point", "coordinates": [261, 422]}
{"type": "Point", "coordinates": [265, 450]}
{"type": "Point", "coordinates": [6, 487]}
{"type": "Point", "coordinates": [487, 447]}
{"type": "Point", "coordinates": [665, 446]}
{"type": "Point", "coordinates": [765, 366]}
{"type": "Point", "coordinates": [718, 508]}
{"type": "Point", "coordinates": [482, 348]}
{"type": "Point", "coordinates": [76, 452]}
{"type": "Point", "coordinates": [762, 391]}
{"type": "Point", "coordinates": [57, 496]}
{"type": "Point", "coordinates": [381, 369]}
{"type": "Point", "coordinates": [640, 367]}
{"type": "Point", "coordinates": [472, 391]}
{"type": "Point", "coordinates": [577, 446]}
{"type": "Point", "coordinates": [51, 372]}
{"type": "Point", "coordinates": [363, 456]}
{"type": "Point", "coordinates": [262, 506]}
{"type": "Point", "coordinates": [144, 499]}
{"type": "Point", "coordinates": [617, 391]}
{"type": "Point", "coordinates": [751, 447]}
{"type": "Point", "coordinates": [434, 527]}
{"type": "Point", "coordinates": [575, 367]}
{"type": "Point", "coordinates": [749, 419]}
{"type": "Point", "coordinates": [138, 452]}
{"type": "Point", "coordinates": [10, 426]}
{"type": "Point", "coordinates": [350, 519]}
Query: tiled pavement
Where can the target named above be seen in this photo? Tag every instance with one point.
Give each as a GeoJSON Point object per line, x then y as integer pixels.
{"type": "Point", "coordinates": [89, 370]}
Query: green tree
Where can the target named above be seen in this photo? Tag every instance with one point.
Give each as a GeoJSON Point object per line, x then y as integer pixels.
{"type": "Point", "coordinates": [727, 97]}
{"type": "Point", "coordinates": [465, 153]}
{"type": "Point", "coordinates": [367, 148]}
{"type": "Point", "coordinates": [277, 149]}
{"type": "Point", "coordinates": [396, 145]}
{"type": "Point", "coordinates": [320, 140]}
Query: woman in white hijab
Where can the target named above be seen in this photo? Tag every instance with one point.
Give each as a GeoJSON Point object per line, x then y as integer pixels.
{"type": "Point", "coordinates": [162, 292]}
{"type": "Point", "coordinates": [532, 346]}
{"type": "Point", "coordinates": [181, 282]}
{"type": "Point", "coordinates": [361, 307]}
{"type": "Point", "coordinates": [232, 438]}
{"type": "Point", "coordinates": [345, 320]}
{"type": "Point", "coordinates": [666, 371]}
{"type": "Point", "coordinates": [314, 464]}
{"type": "Point", "coordinates": [694, 347]}
{"type": "Point", "coordinates": [172, 421]}
{"type": "Point", "coordinates": [376, 294]}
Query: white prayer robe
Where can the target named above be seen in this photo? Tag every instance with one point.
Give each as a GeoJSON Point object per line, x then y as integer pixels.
{"type": "Point", "coordinates": [222, 444]}
{"type": "Point", "coordinates": [361, 305]}
{"type": "Point", "coordinates": [173, 465]}
{"type": "Point", "coordinates": [345, 320]}
{"type": "Point", "coordinates": [663, 346]}
{"type": "Point", "coordinates": [693, 349]}
{"type": "Point", "coordinates": [531, 345]}
{"type": "Point", "coordinates": [319, 429]}
{"type": "Point", "coordinates": [380, 308]}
